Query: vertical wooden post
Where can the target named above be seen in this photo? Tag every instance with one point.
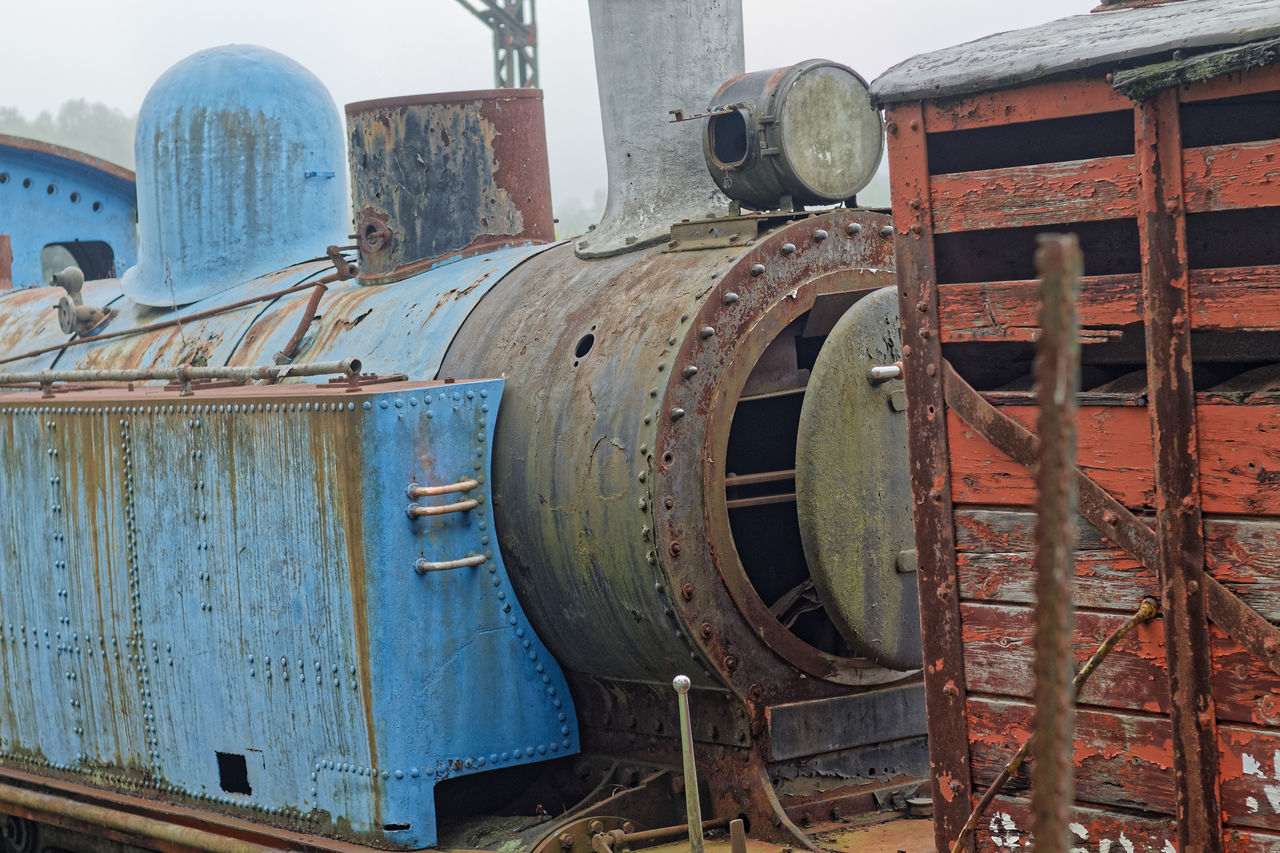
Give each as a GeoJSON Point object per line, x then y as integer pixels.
{"type": "Point", "coordinates": [944, 685]}
{"type": "Point", "coordinates": [1166, 306]}
{"type": "Point", "coordinates": [1057, 381]}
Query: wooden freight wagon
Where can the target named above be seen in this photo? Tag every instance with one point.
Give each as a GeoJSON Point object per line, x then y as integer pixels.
{"type": "Point", "coordinates": [1153, 134]}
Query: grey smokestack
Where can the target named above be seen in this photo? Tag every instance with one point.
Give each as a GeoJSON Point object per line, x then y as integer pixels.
{"type": "Point", "coordinates": [653, 56]}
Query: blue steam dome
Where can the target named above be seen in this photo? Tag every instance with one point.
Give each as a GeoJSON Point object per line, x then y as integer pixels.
{"type": "Point", "coordinates": [240, 166]}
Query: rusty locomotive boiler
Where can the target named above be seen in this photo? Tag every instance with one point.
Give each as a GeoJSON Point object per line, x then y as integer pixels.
{"type": "Point", "coordinates": [429, 580]}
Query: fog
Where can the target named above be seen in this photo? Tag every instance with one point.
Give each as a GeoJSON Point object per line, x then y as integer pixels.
{"type": "Point", "coordinates": [107, 55]}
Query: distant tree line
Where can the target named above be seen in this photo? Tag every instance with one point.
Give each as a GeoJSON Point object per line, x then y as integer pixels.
{"type": "Point", "coordinates": [93, 128]}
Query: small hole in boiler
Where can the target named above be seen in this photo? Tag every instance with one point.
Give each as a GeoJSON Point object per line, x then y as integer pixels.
{"type": "Point", "coordinates": [394, 827]}
{"type": "Point", "coordinates": [233, 773]}
{"type": "Point", "coordinates": [584, 345]}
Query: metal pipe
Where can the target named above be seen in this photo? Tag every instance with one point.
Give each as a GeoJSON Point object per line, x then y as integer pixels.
{"type": "Point", "coordinates": [415, 511]}
{"type": "Point", "coordinates": [304, 323]}
{"type": "Point", "coordinates": [884, 373]}
{"type": "Point", "coordinates": [424, 566]}
{"type": "Point", "coordinates": [415, 491]}
{"type": "Point", "coordinates": [662, 832]}
{"type": "Point", "coordinates": [188, 837]}
{"type": "Point", "coordinates": [185, 373]}
{"type": "Point", "coordinates": [692, 807]}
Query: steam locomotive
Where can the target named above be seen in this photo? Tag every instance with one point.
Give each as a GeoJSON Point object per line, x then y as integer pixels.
{"type": "Point", "coordinates": [429, 581]}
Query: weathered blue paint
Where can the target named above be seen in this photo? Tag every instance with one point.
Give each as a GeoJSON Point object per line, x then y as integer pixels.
{"type": "Point", "coordinates": [405, 327]}
{"type": "Point", "coordinates": [240, 156]}
{"type": "Point", "coordinates": [50, 194]}
{"type": "Point", "coordinates": [234, 573]}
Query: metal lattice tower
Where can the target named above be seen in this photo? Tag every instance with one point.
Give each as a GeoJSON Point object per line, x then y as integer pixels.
{"type": "Point", "coordinates": [515, 39]}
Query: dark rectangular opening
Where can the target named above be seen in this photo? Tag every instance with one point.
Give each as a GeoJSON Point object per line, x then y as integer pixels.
{"type": "Point", "coordinates": [1233, 238]}
{"type": "Point", "coordinates": [1008, 254]}
{"type": "Point", "coordinates": [1030, 143]}
{"type": "Point", "coordinates": [233, 773]}
{"type": "Point", "coordinates": [1245, 118]}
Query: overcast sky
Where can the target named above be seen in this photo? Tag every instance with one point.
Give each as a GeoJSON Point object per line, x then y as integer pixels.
{"type": "Point", "coordinates": [113, 51]}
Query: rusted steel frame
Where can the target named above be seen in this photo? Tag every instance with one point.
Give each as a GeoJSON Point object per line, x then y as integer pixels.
{"type": "Point", "coordinates": [176, 321]}
{"type": "Point", "coordinates": [166, 836]}
{"type": "Point", "coordinates": [1076, 191]}
{"type": "Point", "coordinates": [254, 836]}
{"type": "Point", "coordinates": [1112, 519]}
{"type": "Point", "coordinates": [1147, 611]}
{"type": "Point", "coordinates": [1179, 532]}
{"type": "Point", "coordinates": [930, 477]}
{"type": "Point", "coordinates": [1057, 371]}
{"type": "Point", "coordinates": [1033, 103]}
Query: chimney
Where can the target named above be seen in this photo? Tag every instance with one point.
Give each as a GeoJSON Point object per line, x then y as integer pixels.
{"type": "Point", "coordinates": [438, 176]}
{"type": "Point", "coordinates": [653, 56]}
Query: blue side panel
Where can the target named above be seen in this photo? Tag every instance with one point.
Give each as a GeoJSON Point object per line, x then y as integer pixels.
{"type": "Point", "coordinates": [215, 598]}
{"type": "Point", "coordinates": [46, 198]}
{"type": "Point", "coordinates": [458, 649]}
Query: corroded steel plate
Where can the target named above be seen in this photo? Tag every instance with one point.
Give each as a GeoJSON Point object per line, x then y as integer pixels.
{"type": "Point", "coordinates": [853, 494]}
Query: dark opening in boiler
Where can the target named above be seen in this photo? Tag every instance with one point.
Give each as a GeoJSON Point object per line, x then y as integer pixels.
{"type": "Point", "coordinates": [584, 345]}
{"type": "Point", "coordinates": [760, 488]}
{"type": "Point", "coordinates": [728, 138]}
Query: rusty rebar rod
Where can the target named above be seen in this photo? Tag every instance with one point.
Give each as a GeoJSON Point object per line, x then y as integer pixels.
{"type": "Point", "coordinates": [1057, 369]}
{"type": "Point", "coordinates": [1147, 611]}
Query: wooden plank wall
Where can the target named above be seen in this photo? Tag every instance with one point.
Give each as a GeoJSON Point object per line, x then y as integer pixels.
{"type": "Point", "coordinates": [1125, 791]}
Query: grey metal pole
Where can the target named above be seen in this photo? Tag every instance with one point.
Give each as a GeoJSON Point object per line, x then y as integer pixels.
{"type": "Point", "coordinates": [691, 804]}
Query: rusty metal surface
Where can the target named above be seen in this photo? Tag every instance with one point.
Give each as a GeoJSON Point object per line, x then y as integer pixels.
{"type": "Point", "coordinates": [1057, 372]}
{"type": "Point", "coordinates": [29, 320]}
{"type": "Point", "coordinates": [617, 532]}
{"type": "Point", "coordinates": [772, 286]}
{"type": "Point", "coordinates": [437, 175]}
{"type": "Point", "coordinates": [853, 494]}
{"type": "Point", "coordinates": [828, 725]}
{"type": "Point", "coordinates": [930, 477]}
{"type": "Point", "coordinates": [173, 568]}
{"type": "Point", "coordinates": [209, 338]}
{"type": "Point", "coordinates": [404, 327]}
{"type": "Point", "coordinates": [807, 132]}
{"type": "Point", "coordinates": [1180, 566]}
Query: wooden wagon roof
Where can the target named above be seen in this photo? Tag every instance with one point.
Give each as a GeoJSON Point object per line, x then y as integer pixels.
{"type": "Point", "coordinates": [1076, 44]}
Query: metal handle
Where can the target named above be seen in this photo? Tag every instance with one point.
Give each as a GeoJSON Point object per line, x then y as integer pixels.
{"type": "Point", "coordinates": [414, 491]}
{"type": "Point", "coordinates": [883, 373]}
{"type": "Point", "coordinates": [424, 566]}
{"type": "Point", "coordinates": [692, 807]}
{"type": "Point", "coordinates": [415, 511]}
